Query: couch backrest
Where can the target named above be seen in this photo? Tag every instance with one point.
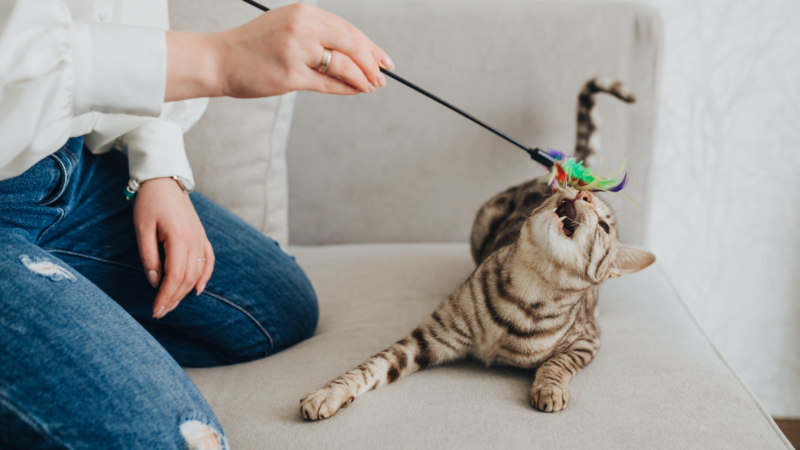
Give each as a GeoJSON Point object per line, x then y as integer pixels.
{"type": "Point", "coordinates": [397, 167]}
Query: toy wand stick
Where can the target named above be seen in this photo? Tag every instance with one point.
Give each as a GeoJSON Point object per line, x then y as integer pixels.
{"type": "Point", "coordinates": [538, 155]}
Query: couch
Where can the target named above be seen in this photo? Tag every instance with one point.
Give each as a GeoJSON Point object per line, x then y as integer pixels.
{"type": "Point", "coordinates": [375, 196]}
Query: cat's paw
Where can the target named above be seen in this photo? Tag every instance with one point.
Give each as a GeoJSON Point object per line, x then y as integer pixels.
{"type": "Point", "coordinates": [549, 398]}
{"type": "Point", "coordinates": [325, 402]}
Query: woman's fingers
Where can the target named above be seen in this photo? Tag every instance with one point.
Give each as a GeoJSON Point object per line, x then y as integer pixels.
{"type": "Point", "coordinates": [205, 264]}
{"type": "Point", "coordinates": [208, 268]}
{"type": "Point", "coordinates": [383, 58]}
{"type": "Point", "coordinates": [328, 85]}
{"type": "Point", "coordinates": [349, 40]}
{"type": "Point", "coordinates": [194, 268]}
{"type": "Point", "coordinates": [344, 69]}
{"type": "Point", "coordinates": [175, 272]}
{"type": "Point", "coordinates": [194, 262]}
{"type": "Point", "coordinates": [280, 52]}
{"type": "Point", "coordinates": [147, 238]}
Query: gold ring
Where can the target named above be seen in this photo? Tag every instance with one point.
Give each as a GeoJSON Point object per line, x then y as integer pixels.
{"type": "Point", "coordinates": [326, 59]}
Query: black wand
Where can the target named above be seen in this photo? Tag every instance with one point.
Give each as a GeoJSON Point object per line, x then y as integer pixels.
{"type": "Point", "coordinates": [536, 154]}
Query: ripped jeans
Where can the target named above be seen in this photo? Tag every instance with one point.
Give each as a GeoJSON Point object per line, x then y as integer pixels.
{"type": "Point", "coordinates": [83, 365]}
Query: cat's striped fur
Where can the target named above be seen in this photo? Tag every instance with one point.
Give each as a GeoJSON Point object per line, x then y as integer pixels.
{"type": "Point", "coordinates": [587, 141]}
{"type": "Point", "coordinates": [530, 303]}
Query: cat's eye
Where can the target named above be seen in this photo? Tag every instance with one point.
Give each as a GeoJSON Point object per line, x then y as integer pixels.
{"type": "Point", "coordinates": [603, 225]}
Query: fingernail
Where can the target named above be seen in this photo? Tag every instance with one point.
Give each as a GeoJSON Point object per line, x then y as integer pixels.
{"type": "Point", "coordinates": [386, 62]}
{"type": "Point", "coordinates": [381, 80]}
{"type": "Point", "coordinates": [371, 88]}
{"type": "Point", "coordinates": [201, 289]}
{"type": "Point", "coordinates": [152, 277]}
{"type": "Point", "coordinates": [157, 315]}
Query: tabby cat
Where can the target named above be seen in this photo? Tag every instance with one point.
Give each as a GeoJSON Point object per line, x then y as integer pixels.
{"type": "Point", "coordinates": [542, 254]}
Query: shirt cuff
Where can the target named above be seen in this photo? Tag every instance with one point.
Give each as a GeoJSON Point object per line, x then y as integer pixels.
{"type": "Point", "coordinates": [118, 69]}
{"type": "Point", "coordinates": [156, 150]}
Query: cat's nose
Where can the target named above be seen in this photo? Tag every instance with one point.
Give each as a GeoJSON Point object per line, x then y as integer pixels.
{"type": "Point", "coordinates": [585, 196]}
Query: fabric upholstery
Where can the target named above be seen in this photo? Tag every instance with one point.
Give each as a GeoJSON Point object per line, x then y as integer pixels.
{"type": "Point", "coordinates": [396, 167]}
{"type": "Point", "coordinates": [656, 381]}
{"type": "Point", "coordinates": [237, 150]}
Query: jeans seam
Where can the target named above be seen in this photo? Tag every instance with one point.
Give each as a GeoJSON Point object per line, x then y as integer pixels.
{"type": "Point", "coordinates": [245, 312]}
{"type": "Point", "coordinates": [62, 187]}
{"type": "Point", "coordinates": [61, 214]}
{"type": "Point", "coordinates": [210, 294]}
{"type": "Point", "coordinates": [31, 421]}
{"type": "Point", "coordinates": [71, 155]}
{"type": "Point", "coordinates": [96, 258]}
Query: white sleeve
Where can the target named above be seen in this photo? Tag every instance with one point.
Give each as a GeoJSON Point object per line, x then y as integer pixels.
{"type": "Point", "coordinates": [52, 70]}
{"type": "Point", "coordinates": [154, 147]}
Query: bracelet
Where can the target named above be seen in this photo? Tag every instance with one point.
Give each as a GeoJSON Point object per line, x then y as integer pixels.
{"type": "Point", "coordinates": [134, 185]}
{"type": "Point", "coordinates": [131, 189]}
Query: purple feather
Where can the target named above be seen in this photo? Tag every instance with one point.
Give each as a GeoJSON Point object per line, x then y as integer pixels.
{"type": "Point", "coordinates": [621, 184]}
{"type": "Point", "coordinates": [556, 154]}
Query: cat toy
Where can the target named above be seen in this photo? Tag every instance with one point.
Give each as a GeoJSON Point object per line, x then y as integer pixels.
{"type": "Point", "coordinates": [568, 172]}
{"type": "Point", "coordinates": [564, 170]}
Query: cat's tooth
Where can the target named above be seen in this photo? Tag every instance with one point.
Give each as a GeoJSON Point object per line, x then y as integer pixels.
{"type": "Point", "coordinates": [562, 218]}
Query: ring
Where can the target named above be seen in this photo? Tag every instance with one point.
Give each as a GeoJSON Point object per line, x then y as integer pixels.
{"type": "Point", "coordinates": [326, 59]}
{"type": "Point", "coordinates": [200, 259]}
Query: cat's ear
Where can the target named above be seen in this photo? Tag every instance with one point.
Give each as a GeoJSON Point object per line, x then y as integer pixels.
{"type": "Point", "coordinates": [630, 260]}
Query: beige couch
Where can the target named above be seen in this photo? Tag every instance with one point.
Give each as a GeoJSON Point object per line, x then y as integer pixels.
{"type": "Point", "coordinates": [382, 190]}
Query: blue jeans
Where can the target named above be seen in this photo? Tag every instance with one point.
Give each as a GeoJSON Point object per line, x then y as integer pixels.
{"type": "Point", "coordinates": [83, 365]}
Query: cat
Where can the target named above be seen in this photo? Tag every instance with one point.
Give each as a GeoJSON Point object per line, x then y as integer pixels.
{"type": "Point", "coordinates": [541, 255]}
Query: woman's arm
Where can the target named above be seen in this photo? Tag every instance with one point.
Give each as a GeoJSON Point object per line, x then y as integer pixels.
{"type": "Point", "coordinates": [275, 53]}
{"type": "Point", "coordinates": [52, 70]}
{"type": "Point", "coordinates": [65, 69]}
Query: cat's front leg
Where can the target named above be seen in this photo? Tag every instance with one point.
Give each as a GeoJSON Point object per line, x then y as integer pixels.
{"type": "Point", "coordinates": [435, 341]}
{"type": "Point", "coordinates": [550, 390]}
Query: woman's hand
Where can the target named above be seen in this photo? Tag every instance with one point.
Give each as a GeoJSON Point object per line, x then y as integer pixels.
{"type": "Point", "coordinates": [164, 215]}
{"type": "Point", "coordinates": [275, 53]}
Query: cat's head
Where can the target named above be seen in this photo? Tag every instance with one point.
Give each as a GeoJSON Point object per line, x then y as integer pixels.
{"type": "Point", "coordinates": [577, 230]}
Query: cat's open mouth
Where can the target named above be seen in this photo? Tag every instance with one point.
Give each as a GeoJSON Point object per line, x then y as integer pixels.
{"type": "Point", "coordinates": [567, 213]}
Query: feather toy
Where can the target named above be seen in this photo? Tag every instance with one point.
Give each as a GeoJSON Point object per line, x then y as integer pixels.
{"type": "Point", "coordinates": [567, 172]}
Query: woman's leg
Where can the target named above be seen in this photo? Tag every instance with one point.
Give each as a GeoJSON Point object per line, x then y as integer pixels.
{"type": "Point", "coordinates": [257, 302]}
{"type": "Point", "coordinates": [77, 371]}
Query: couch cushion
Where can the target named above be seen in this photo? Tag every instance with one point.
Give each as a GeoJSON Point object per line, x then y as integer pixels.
{"type": "Point", "coordinates": [656, 383]}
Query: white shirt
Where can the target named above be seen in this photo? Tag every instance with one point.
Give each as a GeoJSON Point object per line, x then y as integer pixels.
{"type": "Point", "coordinates": [95, 68]}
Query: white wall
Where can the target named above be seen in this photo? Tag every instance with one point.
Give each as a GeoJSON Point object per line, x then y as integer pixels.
{"type": "Point", "coordinates": [726, 186]}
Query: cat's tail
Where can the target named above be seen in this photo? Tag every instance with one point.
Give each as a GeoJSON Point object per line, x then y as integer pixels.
{"type": "Point", "coordinates": [587, 141]}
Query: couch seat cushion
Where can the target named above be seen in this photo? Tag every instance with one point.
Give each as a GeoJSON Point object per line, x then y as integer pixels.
{"type": "Point", "coordinates": [656, 383]}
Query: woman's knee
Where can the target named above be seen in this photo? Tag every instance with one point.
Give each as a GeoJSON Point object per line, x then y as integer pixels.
{"type": "Point", "coordinates": [295, 310]}
{"type": "Point", "coordinates": [280, 312]}
{"type": "Point", "coordinates": [302, 321]}
{"type": "Point", "coordinates": [253, 271]}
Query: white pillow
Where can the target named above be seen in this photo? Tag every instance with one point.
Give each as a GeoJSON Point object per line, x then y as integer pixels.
{"type": "Point", "coordinates": [238, 155]}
